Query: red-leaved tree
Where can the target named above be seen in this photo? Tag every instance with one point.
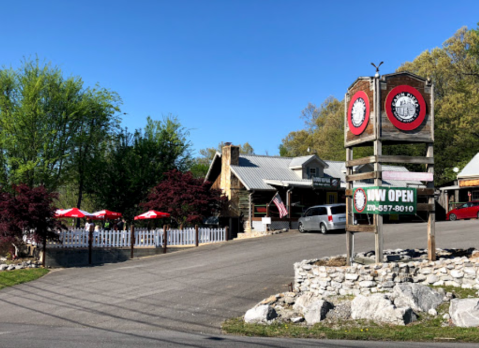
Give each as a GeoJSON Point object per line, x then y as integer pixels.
{"type": "Point", "coordinates": [185, 198]}
{"type": "Point", "coordinates": [27, 209]}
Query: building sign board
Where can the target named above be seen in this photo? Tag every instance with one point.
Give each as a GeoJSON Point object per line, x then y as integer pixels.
{"type": "Point", "coordinates": [407, 176]}
{"type": "Point", "coordinates": [468, 182]}
{"type": "Point", "coordinates": [358, 113]}
{"type": "Point", "coordinates": [266, 221]}
{"type": "Point", "coordinates": [405, 107]}
{"type": "Point", "coordinates": [384, 200]}
{"type": "Point", "coordinates": [330, 183]}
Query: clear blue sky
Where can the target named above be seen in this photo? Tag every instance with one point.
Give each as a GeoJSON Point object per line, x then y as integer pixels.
{"type": "Point", "coordinates": [238, 71]}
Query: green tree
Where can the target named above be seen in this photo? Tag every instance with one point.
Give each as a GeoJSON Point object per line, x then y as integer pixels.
{"type": "Point", "coordinates": [46, 122]}
{"type": "Point", "coordinates": [133, 163]}
{"type": "Point", "coordinates": [453, 70]}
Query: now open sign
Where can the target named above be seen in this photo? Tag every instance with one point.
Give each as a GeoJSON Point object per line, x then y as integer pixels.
{"type": "Point", "coordinates": [383, 200]}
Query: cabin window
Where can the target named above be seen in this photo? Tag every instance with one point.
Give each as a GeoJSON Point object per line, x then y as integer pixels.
{"type": "Point", "coordinates": [312, 173]}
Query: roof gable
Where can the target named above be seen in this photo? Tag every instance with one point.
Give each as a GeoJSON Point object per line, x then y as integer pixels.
{"type": "Point", "coordinates": [300, 162]}
{"type": "Point", "coordinates": [471, 169]}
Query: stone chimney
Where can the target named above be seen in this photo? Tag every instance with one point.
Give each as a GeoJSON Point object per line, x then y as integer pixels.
{"type": "Point", "coordinates": [229, 157]}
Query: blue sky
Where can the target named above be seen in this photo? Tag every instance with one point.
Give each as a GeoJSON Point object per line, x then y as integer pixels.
{"type": "Point", "coordinates": [238, 71]}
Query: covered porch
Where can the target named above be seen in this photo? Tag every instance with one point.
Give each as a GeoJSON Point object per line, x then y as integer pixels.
{"type": "Point", "coordinates": [296, 198]}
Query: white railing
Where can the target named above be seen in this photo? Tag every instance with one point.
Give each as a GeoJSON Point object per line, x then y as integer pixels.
{"type": "Point", "coordinates": [78, 238]}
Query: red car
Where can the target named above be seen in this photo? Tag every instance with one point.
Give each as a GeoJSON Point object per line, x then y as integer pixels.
{"type": "Point", "coordinates": [466, 211]}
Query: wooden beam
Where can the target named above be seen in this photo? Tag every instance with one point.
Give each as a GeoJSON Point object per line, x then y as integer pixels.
{"type": "Point", "coordinates": [360, 161]}
{"type": "Point", "coordinates": [425, 207]}
{"type": "Point", "coordinates": [378, 219]}
{"type": "Point", "coordinates": [406, 159]}
{"type": "Point", "coordinates": [431, 221]}
{"type": "Point", "coordinates": [425, 192]}
{"type": "Point", "coordinates": [363, 176]}
{"type": "Point", "coordinates": [349, 208]}
{"type": "Point", "coordinates": [361, 228]}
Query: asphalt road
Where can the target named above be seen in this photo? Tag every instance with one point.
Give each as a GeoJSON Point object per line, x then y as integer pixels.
{"type": "Point", "coordinates": [186, 293]}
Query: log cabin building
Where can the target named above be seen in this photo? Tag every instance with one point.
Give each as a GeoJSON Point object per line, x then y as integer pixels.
{"type": "Point", "coordinates": [251, 181]}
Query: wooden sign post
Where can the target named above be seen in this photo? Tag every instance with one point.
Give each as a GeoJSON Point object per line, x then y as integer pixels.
{"type": "Point", "coordinates": [393, 109]}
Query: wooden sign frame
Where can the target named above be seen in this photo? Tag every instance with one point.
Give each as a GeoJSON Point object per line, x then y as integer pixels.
{"type": "Point", "coordinates": [400, 110]}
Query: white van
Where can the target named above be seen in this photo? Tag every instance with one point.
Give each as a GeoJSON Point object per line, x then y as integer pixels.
{"type": "Point", "coordinates": [323, 218]}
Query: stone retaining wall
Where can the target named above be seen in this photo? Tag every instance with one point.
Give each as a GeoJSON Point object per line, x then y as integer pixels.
{"type": "Point", "coordinates": [358, 279]}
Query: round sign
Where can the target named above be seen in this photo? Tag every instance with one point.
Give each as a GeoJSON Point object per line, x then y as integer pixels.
{"type": "Point", "coordinates": [405, 107]}
{"type": "Point", "coordinates": [359, 200]}
{"type": "Point", "coordinates": [358, 113]}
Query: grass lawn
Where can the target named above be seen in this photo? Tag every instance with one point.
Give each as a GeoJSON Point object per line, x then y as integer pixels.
{"type": "Point", "coordinates": [427, 328]}
{"type": "Point", "coordinates": [430, 330]}
{"type": "Point", "coordinates": [19, 276]}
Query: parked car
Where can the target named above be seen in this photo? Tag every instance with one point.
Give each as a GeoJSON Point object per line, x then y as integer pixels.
{"type": "Point", "coordinates": [323, 218]}
{"type": "Point", "coordinates": [466, 211]}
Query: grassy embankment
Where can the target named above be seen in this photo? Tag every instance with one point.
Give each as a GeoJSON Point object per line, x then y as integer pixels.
{"type": "Point", "coordinates": [11, 278]}
{"type": "Point", "coordinates": [427, 328]}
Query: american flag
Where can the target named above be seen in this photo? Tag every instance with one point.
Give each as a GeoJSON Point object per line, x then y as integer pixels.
{"type": "Point", "coordinates": [279, 203]}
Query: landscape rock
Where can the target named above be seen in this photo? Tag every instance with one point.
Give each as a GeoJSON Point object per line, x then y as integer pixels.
{"type": "Point", "coordinates": [289, 300]}
{"type": "Point", "coordinates": [465, 312]}
{"type": "Point", "coordinates": [420, 298]}
{"type": "Point", "coordinates": [297, 319]}
{"type": "Point", "coordinates": [316, 311]}
{"type": "Point", "coordinates": [367, 284]}
{"type": "Point", "coordinates": [342, 311]}
{"type": "Point", "coordinates": [3, 267]}
{"type": "Point", "coordinates": [379, 308]}
{"type": "Point", "coordinates": [303, 301]}
{"type": "Point", "coordinates": [260, 314]}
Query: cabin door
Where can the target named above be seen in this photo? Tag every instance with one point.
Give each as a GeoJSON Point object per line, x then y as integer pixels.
{"type": "Point", "coordinates": [331, 197]}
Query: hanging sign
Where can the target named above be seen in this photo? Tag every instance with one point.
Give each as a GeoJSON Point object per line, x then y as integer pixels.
{"type": "Point", "coordinates": [407, 176]}
{"type": "Point", "coordinates": [405, 107]}
{"type": "Point", "coordinates": [326, 182]}
{"type": "Point", "coordinates": [358, 113]}
{"type": "Point", "coordinates": [383, 200]}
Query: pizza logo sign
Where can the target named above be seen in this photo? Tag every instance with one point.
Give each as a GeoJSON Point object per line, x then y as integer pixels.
{"type": "Point", "coordinates": [405, 107]}
{"type": "Point", "coordinates": [359, 200]}
{"type": "Point", "coordinates": [358, 113]}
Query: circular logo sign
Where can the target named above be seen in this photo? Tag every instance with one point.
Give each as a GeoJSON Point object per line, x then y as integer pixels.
{"type": "Point", "coordinates": [359, 200]}
{"type": "Point", "coordinates": [358, 113]}
{"type": "Point", "coordinates": [405, 107]}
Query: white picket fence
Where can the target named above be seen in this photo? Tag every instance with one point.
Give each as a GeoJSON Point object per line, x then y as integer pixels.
{"type": "Point", "coordinates": [143, 238]}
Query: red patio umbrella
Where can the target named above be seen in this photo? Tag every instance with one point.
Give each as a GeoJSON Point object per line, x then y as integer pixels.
{"type": "Point", "coordinates": [152, 214]}
{"type": "Point", "coordinates": [72, 213]}
{"type": "Point", "coordinates": [106, 214]}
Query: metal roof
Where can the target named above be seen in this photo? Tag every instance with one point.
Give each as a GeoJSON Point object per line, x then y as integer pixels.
{"type": "Point", "coordinates": [302, 160]}
{"type": "Point", "coordinates": [471, 169]}
{"type": "Point", "coordinates": [258, 172]}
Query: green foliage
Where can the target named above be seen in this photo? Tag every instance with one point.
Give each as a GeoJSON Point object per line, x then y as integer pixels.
{"type": "Point", "coordinates": [454, 71]}
{"type": "Point", "coordinates": [132, 163]}
{"type": "Point", "coordinates": [49, 125]}
{"type": "Point", "coordinates": [20, 276]}
{"type": "Point", "coordinates": [323, 133]}
{"type": "Point", "coordinates": [426, 330]}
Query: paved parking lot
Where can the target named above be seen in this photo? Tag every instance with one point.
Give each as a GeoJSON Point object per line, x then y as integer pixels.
{"type": "Point", "coordinates": [194, 290]}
